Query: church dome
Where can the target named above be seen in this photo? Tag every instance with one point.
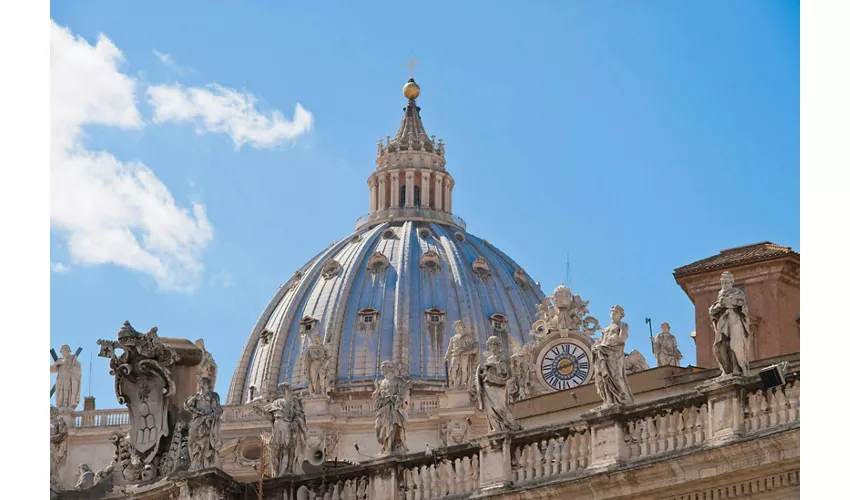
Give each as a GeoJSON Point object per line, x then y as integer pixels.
{"type": "Point", "coordinates": [393, 289]}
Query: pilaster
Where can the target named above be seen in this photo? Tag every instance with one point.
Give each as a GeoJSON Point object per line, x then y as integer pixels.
{"type": "Point", "coordinates": [408, 190]}
{"type": "Point", "coordinates": [426, 189]}
{"type": "Point", "coordinates": [494, 463]}
{"type": "Point", "coordinates": [725, 408]}
{"type": "Point", "coordinates": [608, 446]}
{"type": "Point", "coordinates": [438, 191]}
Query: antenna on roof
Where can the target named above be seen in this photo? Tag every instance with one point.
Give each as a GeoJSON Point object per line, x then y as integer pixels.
{"type": "Point", "coordinates": [90, 370]}
{"type": "Point", "coordinates": [569, 274]}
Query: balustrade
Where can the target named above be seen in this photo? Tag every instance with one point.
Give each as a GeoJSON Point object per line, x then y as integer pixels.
{"type": "Point", "coordinates": [768, 408]}
{"type": "Point", "coordinates": [101, 418]}
{"type": "Point", "coordinates": [453, 474]}
{"type": "Point", "coordinates": [669, 429]}
{"type": "Point", "coordinates": [552, 455]}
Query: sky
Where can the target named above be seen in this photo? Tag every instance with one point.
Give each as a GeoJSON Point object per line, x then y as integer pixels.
{"type": "Point", "coordinates": [201, 152]}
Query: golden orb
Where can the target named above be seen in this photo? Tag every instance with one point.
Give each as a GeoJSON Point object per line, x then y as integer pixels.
{"type": "Point", "coordinates": [411, 89]}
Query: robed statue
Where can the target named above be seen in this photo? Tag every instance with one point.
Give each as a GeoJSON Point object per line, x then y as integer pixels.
{"type": "Point", "coordinates": [316, 359]}
{"type": "Point", "coordinates": [609, 361]}
{"type": "Point", "coordinates": [289, 431]}
{"type": "Point", "coordinates": [205, 426]}
{"type": "Point", "coordinates": [461, 356]}
{"type": "Point", "coordinates": [492, 378]}
{"type": "Point", "coordinates": [68, 374]}
{"type": "Point", "coordinates": [731, 322]}
{"type": "Point", "coordinates": [391, 399]}
{"type": "Point", "coordinates": [665, 347]}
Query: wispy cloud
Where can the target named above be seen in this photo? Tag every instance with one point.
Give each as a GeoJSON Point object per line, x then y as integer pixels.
{"type": "Point", "coordinates": [112, 211]}
{"type": "Point", "coordinates": [169, 62]}
{"type": "Point", "coordinates": [222, 279]}
{"type": "Point", "coordinates": [217, 109]}
{"type": "Point", "coordinates": [59, 268]}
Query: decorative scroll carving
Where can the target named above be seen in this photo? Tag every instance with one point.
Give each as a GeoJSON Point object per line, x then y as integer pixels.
{"type": "Point", "coordinates": [564, 311]}
{"type": "Point", "coordinates": [143, 383]}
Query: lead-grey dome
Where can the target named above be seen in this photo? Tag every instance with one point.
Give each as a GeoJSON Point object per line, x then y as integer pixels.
{"type": "Point", "coordinates": [394, 288]}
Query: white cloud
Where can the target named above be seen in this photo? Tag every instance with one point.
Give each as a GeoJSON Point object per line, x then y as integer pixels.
{"type": "Point", "coordinates": [169, 62]}
{"type": "Point", "coordinates": [112, 211]}
{"type": "Point", "coordinates": [58, 267]}
{"type": "Point", "coordinates": [219, 109]}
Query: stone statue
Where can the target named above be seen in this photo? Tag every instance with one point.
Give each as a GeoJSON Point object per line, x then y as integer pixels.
{"type": "Point", "coordinates": [316, 360]}
{"type": "Point", "coordinates": [58, 445]}
{"type": "Point", "coordinates": [609, 361]}
{"type": "Point", "coordinates": [289, 431]}
{"type": "Point", "coordinates": [204, 429]}
{"type": "Point", "coordinates": [391, 398]}
{"type": "Point", "coordinates": [143, 383]}
{"type": "Point", "coordinates": [462, 356]}
{"type": "Point", "coordinates": [68, 374]}
{"type": "Point", "coordinates": [207, 367]}
{"type": "Point", "coordinates": [519, 386]}
{"type": "Point", "coordinates": [731, 322]}
{"type": "Point", "coordinates": [635, 362]}
{"type": "Point", "coordinates": [86, 477]}
{"type": "Point", "coordinates": [665, 348]}
{"type": "Point", "coordinates": [492, 381]}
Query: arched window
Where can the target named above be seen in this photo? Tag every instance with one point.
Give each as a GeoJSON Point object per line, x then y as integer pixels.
{"type": "Point", "coordinates": [402, 201]}
{"type": "Point", "coordinates": [417, 201]}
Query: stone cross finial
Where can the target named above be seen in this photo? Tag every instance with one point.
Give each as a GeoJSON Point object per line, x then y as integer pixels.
{"type": "Point", "coordinates": [411, 64]}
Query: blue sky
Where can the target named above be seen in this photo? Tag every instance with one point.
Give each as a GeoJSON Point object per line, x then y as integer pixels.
{"type": "Point", "coordinates": [634, 137]}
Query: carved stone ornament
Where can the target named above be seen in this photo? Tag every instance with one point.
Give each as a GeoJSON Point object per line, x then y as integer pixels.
{"type": "Point", "coordinates": [143, 383]}
{"type": "Point", "coordinates": [331, 269]}
{"type": "Point", "coordinates": [564, 311]}
{"type": "Point", "coordinates": [521, 279]}
{"type": "Point", "coordinates": [481, 267]}
{"type": "Point", "coordinates": [378, 263]}
{"type": "Point", "coordinates": [58, 445]}
{"type": "Point", "coordinates": [430, 261]}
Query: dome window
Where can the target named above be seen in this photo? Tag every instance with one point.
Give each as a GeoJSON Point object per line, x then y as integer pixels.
{"type": "Point", "coordinates": [521, 279]}
{"type": "Point", "coordinates": [499, 322]}
{"type": "Point", "coordinates": [330, 269]}
{"type": "Point", "coordinates": [368, 317]}
{"type": "Point", "coordinates": [388, 234]}
{"type": "Point", "coordinates": [481, 267]}
{"type": "Point", "coordinates": [424, 233]}
{"type": "Point", "coordinates": [430, 261]}
{"type": "Point", "coordinates": [308, 325]}
{"type": "Point", "coordinates": [378, 263]}
{"type": "Point", "coordinates": [434, 316]}
{"type": "Point", "coordinates": [460, 237]}
{"type": "Point", "coordinates": [355, 238]}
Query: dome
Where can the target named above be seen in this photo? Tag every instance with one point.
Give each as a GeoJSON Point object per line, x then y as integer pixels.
{"type": "Point", "coordinates": [393, 289]}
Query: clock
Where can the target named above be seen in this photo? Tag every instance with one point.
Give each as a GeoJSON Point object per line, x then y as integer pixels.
{"type": "Point", "coordinates": [565, 365]}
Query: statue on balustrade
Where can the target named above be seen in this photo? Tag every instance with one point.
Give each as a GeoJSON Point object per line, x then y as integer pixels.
{"type": "Point", "coordinates": [68, 374]}
{"type": "Point", "coordinates": [316, 360]}
{"type": "Point", "coordinates": [204, 428]}
{"type": "Point", "coordinates": [519, 386]}
{"type": "Point", "coordinates": [207, 367]}
{"type": "Point", "coordinates": [492, 381]}
{"type": "Point", "coordinates": [609, 361]}
{"type": "Point", "coordinates": [391, 399]}
{"type": "Point", "coordinates": [635, 362]}
{"type": "Point", "coordinates": [665, 348]}
{"type": "Point", "coordinates": [58, 445]}
{"type": "Point", "coordinates": [289, 431]}
{"type": "Point", "coordinates": [462, 356]}
{"type": "Point", "coordinates": [85, 480]}
{"type": "Point", "coordinates": [731, 322]}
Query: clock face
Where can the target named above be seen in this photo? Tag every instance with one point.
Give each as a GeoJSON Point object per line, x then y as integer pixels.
{"type": "Point", "coordinates": [564, 366]}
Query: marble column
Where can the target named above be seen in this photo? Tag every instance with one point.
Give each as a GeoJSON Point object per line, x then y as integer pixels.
{"type": "Point", "coordinates": [408, 190]}
{"type": "Point", "coordinates": [394, 193]}
{"type": "Point", "coordinates": [438, 191]}
{"type": "Point", "coordinates": [373, 192]}
{"type": "Point", "coordinates": [449, 187]}
{"type": "Point", "coordinates": [382, 193]}
{"type": "Point", "coordinates": [426, 189]}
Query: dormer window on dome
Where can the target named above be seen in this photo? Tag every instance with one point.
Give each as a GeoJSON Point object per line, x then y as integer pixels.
{"type": "Point", "coordinates": [522, 279]}
{"type": "Point", "coordinates": [459, 237]}
{"type": "Point", "coordinates": [368, 315]}
{"type": "Point", "coordinates": [308, 325]}
{"type": "Point", "coordinates": [430, 261]}
{"type": "Point", "coordinates": [388, 234]}
{"type": "Point", "coordinates": [330, 269]}
{"type": "Point", "coordinates": [378, 263]}
{"type": "Point", "coordinates": [481, 267]}
{"type": "Point", "coordinates": [434, 315]}
{"type": "Point", "coordinates": [265, 335]}
{"type": "Point", "coordinates": [499, 322]}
